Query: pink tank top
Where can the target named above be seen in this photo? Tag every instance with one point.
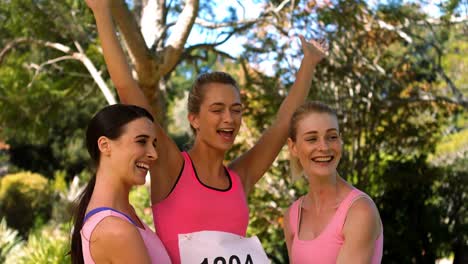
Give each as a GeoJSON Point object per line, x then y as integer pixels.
{"type": "Point", "coordinates": [193, 206]}
{"type": "Point", "coordinates": [155, 248]}
{"type": "Point", "coordinates": [326, 247]}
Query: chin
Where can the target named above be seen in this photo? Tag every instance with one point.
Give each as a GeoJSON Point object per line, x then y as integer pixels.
{"type": "Point", "coordinates": [322, 173]}
{"type": "Point", "coordinates": [139, 183]}
{"type": "Point", "coordinates": [140, 180]}
{"type": "Point", "coordinates": [223, 146]}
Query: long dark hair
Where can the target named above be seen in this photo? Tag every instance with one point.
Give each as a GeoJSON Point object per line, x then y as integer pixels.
{"type": "Point", "coordinates": [109, 122]}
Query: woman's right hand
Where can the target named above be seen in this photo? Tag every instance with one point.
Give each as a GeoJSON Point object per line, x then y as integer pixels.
{"type": "Point", "coordinates": [315, 51]}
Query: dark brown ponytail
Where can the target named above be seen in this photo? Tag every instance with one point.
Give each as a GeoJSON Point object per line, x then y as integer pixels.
{"type": "Point", "coordinates": [109, 122]}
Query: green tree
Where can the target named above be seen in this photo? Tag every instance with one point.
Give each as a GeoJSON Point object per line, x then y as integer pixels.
{"type": "Point", "coordinates": [46, 92]}
{"type": "Point", "coordinates": [391, 73]}
{"type": "Point", "coordinates": [385, 76]}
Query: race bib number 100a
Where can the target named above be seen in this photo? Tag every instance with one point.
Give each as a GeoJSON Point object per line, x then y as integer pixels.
{"type": "Point", "coordinates": [214, 247]}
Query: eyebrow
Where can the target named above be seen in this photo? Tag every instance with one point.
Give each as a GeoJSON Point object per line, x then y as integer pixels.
{"type": "Point", "coordinates": [223, 104]}
{"type": "Point", "coordinates": [145, 137]}
{"type": "Point", "coordinates": [315, 132]}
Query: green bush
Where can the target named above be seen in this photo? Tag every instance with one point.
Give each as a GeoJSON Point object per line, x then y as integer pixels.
{"type": "Point", "coordinates": [140, 199]}
{"type": "Point", "coordinates": [10, 243]}
{"type": "Point", "coordinates": [48, 245]}
{"type": "Point", "coordinates": [25, 201]}
{"type": "Point", "coordinates": [64, 196]}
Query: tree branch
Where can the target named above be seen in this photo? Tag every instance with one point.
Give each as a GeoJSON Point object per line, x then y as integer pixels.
{"type": "Point", "coordinates": [427, 97]}
{"type": "Point", "coordinates": [232, 24]}
{"type": "Point", "coordinates": [81, 56]}
{"type": "Point", "coordinates": [139, 52]}
{"type": "Point", "coordinates": [38, 68]}
{"type": "Point", "coordinates": [161, 18]}
{"type": "Point", "coordinates": [153, 23]}
{"type": "Point", "coordinates": [181, 30]}
{"type": "Point", "coordinates": [241, 23]}
{"type": "Point", "coordinates": [211, 46]}
{"type": "Point", "coordinates": [18, 41]}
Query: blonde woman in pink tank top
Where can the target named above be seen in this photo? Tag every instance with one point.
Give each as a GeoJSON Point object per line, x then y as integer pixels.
{"type": "Point", "coordinates": [334, 222]}
{"type": "Point", "coordinates": [121, 142]}
{"type": "Point", "coordinates": [215, 116]}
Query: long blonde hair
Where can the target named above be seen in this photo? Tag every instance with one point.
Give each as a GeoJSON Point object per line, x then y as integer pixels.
{"type": "Point", "coordinates": [309, 107]}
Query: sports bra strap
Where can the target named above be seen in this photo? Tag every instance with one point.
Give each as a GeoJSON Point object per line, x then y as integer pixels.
{"type": "Point", "coordinates": [100, 209]}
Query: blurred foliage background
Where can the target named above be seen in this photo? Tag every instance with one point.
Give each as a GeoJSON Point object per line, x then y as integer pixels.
{"type": "Point", "coordinates": [396, 73]}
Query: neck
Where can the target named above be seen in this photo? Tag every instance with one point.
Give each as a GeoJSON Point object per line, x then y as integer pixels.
{"type": "Point", "coordinates": [323, 191]}
{"type": "Point", "coordinates": [207, 160]}
{"type": "Point", "coordinates": [109, 192]}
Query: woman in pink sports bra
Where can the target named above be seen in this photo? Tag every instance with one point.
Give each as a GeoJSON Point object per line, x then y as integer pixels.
{"type": "Point", "coordinates": [334, 222]}
{"type": "Point", "coordinates": [121, 142]}
{"type": "Point", "coordinates": [193, 191]}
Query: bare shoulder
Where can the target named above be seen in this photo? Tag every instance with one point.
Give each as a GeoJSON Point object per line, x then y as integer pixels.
{"type": "Point", "coordinates": [364, 208]}
{"type": "Point", "coordinates": [112, 235]}
{"type": "Point", "coordinates": [363, 215]}
{"type": "Point", "coordinates": [112, 227]}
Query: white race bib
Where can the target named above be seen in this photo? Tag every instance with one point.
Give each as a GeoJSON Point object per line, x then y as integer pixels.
{"type": "Point", "coordinates": [215, 247]}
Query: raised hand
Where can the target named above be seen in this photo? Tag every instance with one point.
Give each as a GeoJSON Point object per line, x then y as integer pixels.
{"type": "Point", "coordinates": [314, 50]}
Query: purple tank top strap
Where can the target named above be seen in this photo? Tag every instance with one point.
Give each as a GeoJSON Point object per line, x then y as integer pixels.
{"type": "Point", "coordinates": [155, 248]}
{"type": "Point", "coordinates": [92, 219]}
{"type": "Point", "coordinates": [100, 209]}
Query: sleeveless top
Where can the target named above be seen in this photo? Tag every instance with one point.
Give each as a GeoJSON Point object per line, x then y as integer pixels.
{"type": "Point", "coordinates": [154, 247]}
{"type": "Point", "coordinates": [327, 245]}
{"type": "Point", "coordinates": [192, 206]}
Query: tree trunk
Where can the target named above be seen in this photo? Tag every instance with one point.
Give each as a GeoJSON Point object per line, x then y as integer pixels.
{"type": "Point", "coordinates": [151, 65]}
{"type": "Point", "coordinates": [156, 98]}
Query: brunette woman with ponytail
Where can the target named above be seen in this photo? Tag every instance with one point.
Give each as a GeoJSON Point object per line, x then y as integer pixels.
{"type": "Point", "coordinates": [121, 142]}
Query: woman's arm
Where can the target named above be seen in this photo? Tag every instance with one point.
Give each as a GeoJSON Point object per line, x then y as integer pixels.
{"type": "Point", "coordinates": [254, 163]}
{"type": "Point", "coordinates": [166, 169]}
{"type": "Point", "coordinates": [361, 229]}
{"type": "Point", "coordinates": [119, 70]}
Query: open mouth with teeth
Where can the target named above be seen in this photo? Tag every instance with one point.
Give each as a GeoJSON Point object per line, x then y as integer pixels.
{"type": "Point", "coordinates": [142, 166]}
{"type": "Point", "coordinates": [226, 133]}
{"type": "Point", "coordinates": [323, 159]}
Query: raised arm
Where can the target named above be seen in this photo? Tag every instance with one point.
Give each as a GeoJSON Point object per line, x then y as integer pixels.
{"type": "Point", "coordinates": [170, 161]}
{"type": "Point", "coordinates": [254, 163]}
{"type": "Point", "coordinates": [361, 230]}
{"type": "Point", "coordinates": [119, 70]}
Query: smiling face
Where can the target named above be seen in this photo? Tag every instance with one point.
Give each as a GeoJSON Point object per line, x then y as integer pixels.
{"type": "Point", "coordinates": [219, 117]}
{"type": "Point", "coordinates": [132, 154]}
{"type": "Point", "coordinates": [317, 144]}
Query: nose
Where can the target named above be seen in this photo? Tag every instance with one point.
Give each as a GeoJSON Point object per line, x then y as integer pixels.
{"type": "Point", "coordinates": [227, 117]}
{"type": "Point", "coordinates": [151, 153]}
{"type": "Point", "coordinates": [322, 144]}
